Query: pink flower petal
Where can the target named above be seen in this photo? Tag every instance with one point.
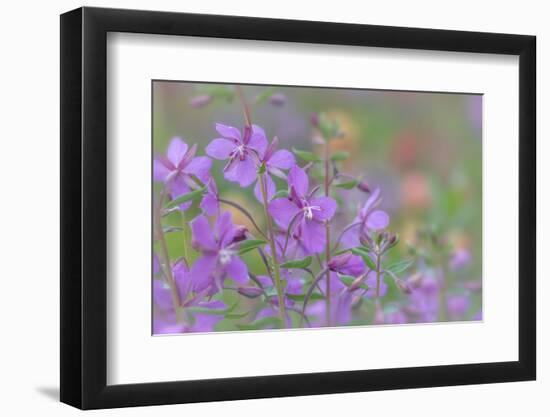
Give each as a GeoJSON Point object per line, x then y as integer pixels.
{"type": "Point", "coordinates": [243, 172]}
{"type": "Point", "coordinates": [282, 159]}
{"type": "Point", "coordinates": [228, 132]}
{"type": "Point", "coordinates": [378, 220]}
{"type": "Point", "coordinates": [297, 178]}
{"type": "Point", "coordinates": [203, 238]}
{"type": "Point", "coordinates": [160, 171]}
{"type": "Point", "coordinates": [283, 211]}
{"type": "Point", "coordinates": [176, 150]}
{"type": "Point", "coordinates": [313, 236]}
{"type": "Point", "coordinates": [328, 208]}
{"type": "Point", "coordinates": [237, 270]}
{"type": "Point", "coordinates": [220, 148]}
{"type": "Point", "coordinates": [199, 166]}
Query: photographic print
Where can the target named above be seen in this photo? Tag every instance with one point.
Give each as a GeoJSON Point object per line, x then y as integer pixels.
{"type": "Point", "coordinates": [287, 207]}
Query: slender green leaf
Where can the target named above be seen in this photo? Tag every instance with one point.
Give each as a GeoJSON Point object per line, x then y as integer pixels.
{"type": "Point", "coordinates": [306, 156]}
{"type": "Point", "coordinates": [236, 316]}
{"type": "Point", "coordinates": [249, 245]}
{"type": "Point", "coordinates": [280, 194]}
{"type": "Point", "coordinates": [213, 311]}
{"type": "Point", "coordinates": [339, 156]}
{"type": "Point", "coordinates": [300, 297]}
{"type": "Point", "coordinates": [185, 198]}
{"type": "Point", "coordinates": [365, 255]}
{"type": "Point", "coordinates": [348, 185]}
{"type": "Point", "coordinates": [299, 263]}
{"type": "Point", "coordinates": [401, 266]}
{"type": "Point", "coordinates": [263, 323]}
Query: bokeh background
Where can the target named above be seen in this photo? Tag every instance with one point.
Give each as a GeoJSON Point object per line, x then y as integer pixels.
{"type": "Point", "coordinates": [422, 149]}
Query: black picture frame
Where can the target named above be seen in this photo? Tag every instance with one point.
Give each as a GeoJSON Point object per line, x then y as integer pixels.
{"type": "Point", "coordinates": [84, 207]}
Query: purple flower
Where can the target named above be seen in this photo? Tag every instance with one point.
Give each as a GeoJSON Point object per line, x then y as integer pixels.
{"type": "Point", "coordinates": [162, 294]}
{"type": "Point", "coordinates": [194, 322]}
{"type": "Point", "coordinates": [457, 306]}
{"type": "Point", "coordinates": [275, 162]}
{"type": "Point", "coordinates": [340, 302]}
{"type": "Point", "coordinates": [243, 152]}
{"type": "Point", "coordinates": [177, 168]}
{"type": "Point", "coordinates": [424, 300]}
{"type": "Point", "coordinates": [368, 218]}
{"type": "Point", "coordinates": [209, 203]}
{"type": "Point", "coordinates": [219, 249]}
{"type": "Point", "coordinates": [347, 264]}
{"type": "Point", "coordinates": [200, 100]}
{"type": "Point", "coordinates": [460, 259]}
{"type": "Point", "coordinates": [307, 214]}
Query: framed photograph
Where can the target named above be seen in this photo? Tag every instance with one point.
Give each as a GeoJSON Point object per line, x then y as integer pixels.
{"type": "Point", "coordinates": [259, 208]}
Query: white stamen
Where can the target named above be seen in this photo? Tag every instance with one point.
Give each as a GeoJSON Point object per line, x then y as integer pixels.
{"type": "Point", "coordinates": [225, 256]}
{"type": "Point", "coordinates": [308, 211]}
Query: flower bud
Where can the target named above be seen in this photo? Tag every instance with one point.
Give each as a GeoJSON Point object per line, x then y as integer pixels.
{"type": "Point", "coordinates": [414, 281]}
{"type": "Point", "coordinates": [250, 292]}
{"type": "Point", "coordinates": [277, 99]}
{"type": "Point", "coordinates": [403, 286]}
{"type": "Point", "coordinates": [200, 101]}
{"type": "Point", "coordinates": [314, 119]}
{"type": "Point", "coordinates": [339, 261]}
{"type": "Point", "coordinates": [366, 240]}
{"type": "Point", "coordinates": [356, 283]}
{"type": "Point", "coordinates": [364, 186]}
{"type": "Point", "coordinates": [241, 233]}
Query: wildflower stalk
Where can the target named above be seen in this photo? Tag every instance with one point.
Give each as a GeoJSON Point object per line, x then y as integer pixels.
{"type": "Point", "coordinates": [166, 261]}
{"type": "Point", "coordinates": [442, 291]}
{"type": "Point", "coordinates": [184, 236]}
{"type": "Point", "coordinates": [377, 293]}
{"type": "Point", "coordinates": [246, 109]}
{"type": "Point", "coordinates": [275, 264]}
{"type": "Point", "coordinates": [327, 229]}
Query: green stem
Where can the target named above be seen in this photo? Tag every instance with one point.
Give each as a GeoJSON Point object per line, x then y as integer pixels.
{"type": "Point", "coordinates": [275, 264]}
{"type": "Point", "coordinates": [184, 236]}
{"type": "Point", "coordinates": [166, 261]}
{"type": "Point", "coordinates": [377, 306]}
{"type": "Point", "coordinates": [327, 232]}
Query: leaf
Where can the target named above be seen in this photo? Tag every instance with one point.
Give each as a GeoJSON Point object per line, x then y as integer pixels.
{"type": "Point", "coordinates": [299, 263]}
{"type": "Point", "coordinates": [366, 257]}
{"type": "Point", "coordinates": [347, 185]}
{"type": "Point", "coordinates": [280, 194]}
{"type": "Point", "coordinates": [235, 316]}
{"type": "Point", "coordinates": [249, 245]}
{"type": "Point", "coordinates": [262, 323]}
{"type": "Point", "coordinates": [300, 297]}
{"type": "Point", "coordinates": [339, 156]}
{"type": "Point", "coordinates": [264, 95]}
{"type": "Point", "coordinates": [206, 310]}
{"type": "Point", "coordinates": [401, 266]}
{"type": "Point", "coordinates": [193, 195]}
{"type": "Point", "coordinates": [348, 280]}
{"type": "Point", "coordinates": [306, 156]}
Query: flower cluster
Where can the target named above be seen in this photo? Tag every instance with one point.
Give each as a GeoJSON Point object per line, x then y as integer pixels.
{"type": "Point", "coordinates": [316, 268]}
